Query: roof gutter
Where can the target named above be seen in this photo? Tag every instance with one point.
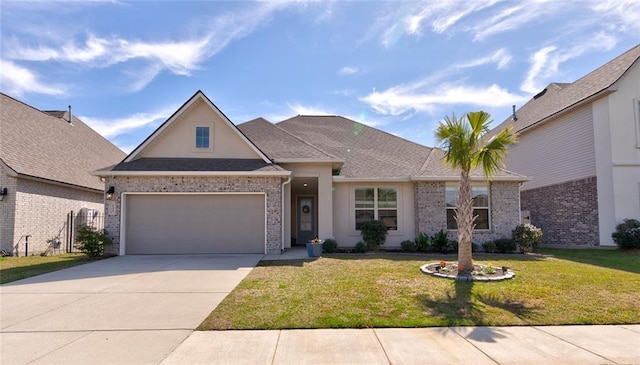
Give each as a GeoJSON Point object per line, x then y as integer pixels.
{"type": "Point", "coordinates": [189, 173]}
{"type": "Point", "coordinates": [371, 179]}
{"type": "Point", "coordinates": [473, 178]}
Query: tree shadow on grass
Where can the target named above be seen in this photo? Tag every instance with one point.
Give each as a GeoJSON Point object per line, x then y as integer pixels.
{"type": "Point", "coordinates": [461, 307]}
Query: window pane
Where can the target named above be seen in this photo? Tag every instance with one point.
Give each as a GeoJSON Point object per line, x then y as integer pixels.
{"type": "Point", "coordinates": [390, 218]}
{"type": "Point", "coordinates": [364, 198]}
{"type": "Point", "coordinates": [387, 198]}
{"type": "Point", "coordinates": [480, 196]}
{"type": "Point", "coordinates": [482, 219]}
{"type": "Point", "coordinates": [451, 195]}
{"type": "Point", "coordinates": [451, 221]}
{"type": "Point", "coordinates": [202, 137]}
{"type": "Point", "coordinates": [363, 216]}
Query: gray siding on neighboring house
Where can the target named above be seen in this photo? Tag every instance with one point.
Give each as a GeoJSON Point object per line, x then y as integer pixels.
{"type": "Point", "coordinates": [566, 212]}
{"type": "Point", "coordinates": [504, 206]}
{"type": "Point", "coordinates": [41, 211]}
{"type": "Point", "coordinates": [270, 185]}
{"type": "Point", "coordinates": [559, 150]}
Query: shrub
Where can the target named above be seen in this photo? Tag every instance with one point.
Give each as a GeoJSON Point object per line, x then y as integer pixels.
{"type": "Point", "coordinates": [423, 243]}
{"type": "Point", "coordinates": [92, 241]}
{"type": "Point", "coordinates": [374, 233]}
{"type": "Point", "coordinates": [489, 246]}
{"type": "Point", "coordinates": [361, 247]}
{"type": "Point", "coordinates": [505, 245]}
{"type": "Point", "coordinates": [408, 246]}
{"type": "Point", "coordinates": [330, 246]}
{"type": "Point", "coordinates": [627, 234]}
{"type": "Point", "coordinates": [440, 242]}
{"type": "Point", "coordinates": [527, 236]}
{"type": "Point", "coordinates": [452, 246]}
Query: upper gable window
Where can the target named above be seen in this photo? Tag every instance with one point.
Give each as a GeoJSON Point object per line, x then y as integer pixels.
{"type": "Point", "coordinates": [202, 137]}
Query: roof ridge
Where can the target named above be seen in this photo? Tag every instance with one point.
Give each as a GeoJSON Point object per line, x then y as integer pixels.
{"type": "Point", "coordinates": [423, 168]}
{"type": "Point", "coordinates": [30, 106]}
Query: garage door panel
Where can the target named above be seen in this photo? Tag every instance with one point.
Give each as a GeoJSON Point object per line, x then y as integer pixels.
{"type": "Point", "coordinates": [198, 223]}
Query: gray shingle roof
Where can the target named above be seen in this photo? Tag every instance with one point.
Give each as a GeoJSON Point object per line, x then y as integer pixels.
{"type": "Point", "coordinates": [279, 144]}
{"type": "Point", "coordinates": [367, 152]}
{"type": "Point", "coordinates": [435, 167]}
{"type": "Point", "coordinates": [41, 145]}
{"type": "Point", "coordinates": [561, 96]}
{"type": "Point", "coordinates": [196, 164]}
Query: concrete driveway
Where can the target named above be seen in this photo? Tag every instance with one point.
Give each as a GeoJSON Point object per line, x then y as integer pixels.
{"type": "Point", "coordinates": [124, 310]}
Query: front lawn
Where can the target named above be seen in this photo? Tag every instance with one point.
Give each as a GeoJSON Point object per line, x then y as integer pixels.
{"type": "Point", "coordinates": [16, 268]}
{"type": "Point", "coordinates": [388, 290]}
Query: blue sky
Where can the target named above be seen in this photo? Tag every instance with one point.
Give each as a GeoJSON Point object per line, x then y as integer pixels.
{"type": "Point", "coordinates": [399, 66]}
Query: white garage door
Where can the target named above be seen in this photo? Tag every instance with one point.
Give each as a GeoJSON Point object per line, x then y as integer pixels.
{"type": "Point", "coordinates": [194, 223]}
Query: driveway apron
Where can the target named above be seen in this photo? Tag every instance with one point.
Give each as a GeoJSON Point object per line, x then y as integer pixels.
{"type": "Point", "coordinates": [127, 309]}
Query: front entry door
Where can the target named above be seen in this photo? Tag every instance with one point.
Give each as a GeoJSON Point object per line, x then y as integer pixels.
{"type": "Point", "coordinates": [306, 219]}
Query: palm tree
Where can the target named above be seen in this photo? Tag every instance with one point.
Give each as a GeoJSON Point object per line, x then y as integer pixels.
{"type": "Point", "coordinates": [466, 149]}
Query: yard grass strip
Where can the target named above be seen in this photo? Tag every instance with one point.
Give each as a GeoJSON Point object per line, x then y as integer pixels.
{"type": "Point", "coordinates": [388, 290]}
{"type": "Point", "coordinates": [16, 268]}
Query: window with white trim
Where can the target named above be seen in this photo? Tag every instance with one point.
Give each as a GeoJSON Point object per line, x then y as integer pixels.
{"type": "Point", "coordinates": [203, 137]}
{"type": "Point", "coordinates": [481, 209]}
{"type": "Point", "coordinates": [377, 203]}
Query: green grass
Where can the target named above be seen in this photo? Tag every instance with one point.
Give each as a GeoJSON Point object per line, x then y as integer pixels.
{"type": "Point", "coordinates": [16, 268]}
{"type": "Point", "coordinates": [388, 290]}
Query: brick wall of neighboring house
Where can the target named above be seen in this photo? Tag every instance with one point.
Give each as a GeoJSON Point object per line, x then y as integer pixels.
{"type": "Point", "coordinates": [270, 185]}
{"type": "Point", "coordinates": [566, 212]}
{"type": "Point", "coordinates": [41, 211]}
{"type": "Point", "coordinates": [7, 208]}
{"type": "Point", "coordinates": [431, 216]}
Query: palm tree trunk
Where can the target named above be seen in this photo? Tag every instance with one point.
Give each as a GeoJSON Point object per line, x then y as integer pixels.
{"type": "Point", "coordinates": [464, 218]}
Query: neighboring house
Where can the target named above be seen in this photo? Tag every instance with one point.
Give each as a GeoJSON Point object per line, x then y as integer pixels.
{"type": "Point", "coordinates": [45, 159]}
{"type": "Point", "coordinates": [200, 184]}
{"type": "Point", "coordinates": [580, 145]}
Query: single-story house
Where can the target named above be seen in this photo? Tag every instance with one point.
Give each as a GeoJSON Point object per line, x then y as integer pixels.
{"type": "Point", "coordinates": [45, 159]}
{"type": "Point", "coordinates": [580, 145]}
{"type": "Point", "coordinates": [201, 184]}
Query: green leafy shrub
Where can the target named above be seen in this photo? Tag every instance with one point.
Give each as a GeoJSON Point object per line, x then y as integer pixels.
{"type": "Point", "coordinates": [505, 245]}
{"type": "Point", "coordinates": [489, 247]}
{"type": "Point", "coordinates": [408, 246]}
{"type": "Point", "coordinates": [627, 234]}
{"type": "Point", "coordinates": [423, 242]}
{"type": "Point", "coordinates": [374, 233]}
{"type": "Point", "coordinates": [527, 236]}
{"type": "Point", "coordinates": [330, 246]}
{"type": "Point", "coordinates": [440, 242]}
{"type": "Point", "coordinates": [361, 247]}
{"type": "Point", "coordinates": [92, 241]}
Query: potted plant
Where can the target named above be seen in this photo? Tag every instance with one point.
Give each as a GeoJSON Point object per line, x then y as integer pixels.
{"type": "Point", "coordinates": [314, 247]}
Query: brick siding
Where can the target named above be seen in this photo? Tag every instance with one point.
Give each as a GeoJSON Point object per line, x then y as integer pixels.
{"type": "Point", "coordinates": [40, 209]}
{"type": "Point", "coordinates": [567, 212]}
{"type": "Point", "coordinates": [431, 216]}
{"type": "Point", "coordinates": [269, 185]}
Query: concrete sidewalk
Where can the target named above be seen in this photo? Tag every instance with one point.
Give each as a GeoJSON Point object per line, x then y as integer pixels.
{"type": "Point", "coordinates": [456, 345]}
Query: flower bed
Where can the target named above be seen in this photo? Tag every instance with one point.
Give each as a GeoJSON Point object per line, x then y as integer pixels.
{"type": "Point", "coordinates": [449, 270]}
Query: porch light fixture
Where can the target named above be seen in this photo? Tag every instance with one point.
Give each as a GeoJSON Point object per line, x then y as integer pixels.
{"type": "Point", "coordinates": [3, 193]}
{"type": "Point", "coordinates": [110, 192]}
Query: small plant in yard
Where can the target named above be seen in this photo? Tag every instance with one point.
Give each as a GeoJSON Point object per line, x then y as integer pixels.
{"type": "Point", "coordinates": [330, 246]}
{"type": "Point", "coordinates": [374, 233]}
{"type": "Point", "coordinates": [92, 241]}
{"type": "Point", "coordinates": [361, 247]}
{"type": "Point", "coordinates": [627, 234]}
{"type": "Point", "coordinates": [408, 246]}
{"type": "Point", "coordinates": [527, 236]}
{"type": "Point", "coordinates": [423, 242]}
{"type": "Point", "coordinates": [440, 242]}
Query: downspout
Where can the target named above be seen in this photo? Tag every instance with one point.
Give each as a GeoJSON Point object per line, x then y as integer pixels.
{"type": "Point", "coordinates": [282, 214]}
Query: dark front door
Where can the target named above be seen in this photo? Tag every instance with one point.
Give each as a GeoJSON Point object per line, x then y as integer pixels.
{"type": "Point", "coordinates": [306, 219]}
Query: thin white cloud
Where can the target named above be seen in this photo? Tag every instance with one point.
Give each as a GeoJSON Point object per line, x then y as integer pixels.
{"type": "Point", "coordinates": [622, 15]}
{"type": "Point", "coordinates": [401, 99]}
{"type": "Point", "coordinates": [300, 109]}
{"type": "Point", "coordinates": [110, 128]}
{"type": "Point", "coordinates": [349, 70]}
{"type": "Point", "coordinates": [500, 57]}
{"type": "Point", "coordinates": [18, 80]}
{"type": "Point", "coordinates": [545, 63]}
{"type": "Point", "coordinates": [515, 17]}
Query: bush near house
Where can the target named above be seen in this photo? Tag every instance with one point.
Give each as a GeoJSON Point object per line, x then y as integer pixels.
{"type": "Point", "coordinates": [627, 234]}
{"type": "Point", "coordinates": [330, 246]}
{"type": "Point", "coordinates": [527, 236]}
{"type": "Point", "coordinates": [500, 245]}
{"type": "Point", "coordinates": [374, 234]}
{"type": "Point", "coordinates": [92, 241]}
